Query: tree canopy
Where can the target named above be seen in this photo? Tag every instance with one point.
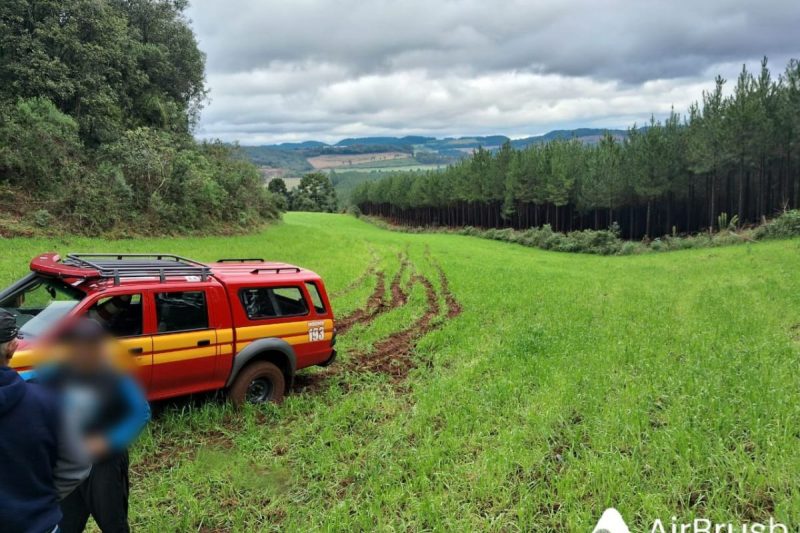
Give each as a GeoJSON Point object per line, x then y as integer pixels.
{"type": "Point", "coordinates": [314, 193]}
{"type": "Point", "coordinates": [737, 154]}
{"type": "Point", "coordinates": [97, 105]}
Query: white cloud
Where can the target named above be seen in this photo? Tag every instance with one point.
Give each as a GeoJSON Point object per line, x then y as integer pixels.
{"type": "Point", "coordinates": [324, 70]}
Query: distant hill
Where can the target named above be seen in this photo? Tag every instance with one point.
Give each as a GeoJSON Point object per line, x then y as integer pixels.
{"type": "Point", "coordinates": [381, 154]}
{"type": "Point", "coordinates": [294, 161]}
{"type": "Point", "coordinates": [385, 141]}
{"type": "Point", "coordinates": [587, 135]}
{"type": "Point", "coordinates": [379, 144]}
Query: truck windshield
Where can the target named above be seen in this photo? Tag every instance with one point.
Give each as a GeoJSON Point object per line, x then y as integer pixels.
{"type": "Point", "coordinates": [38, 302]}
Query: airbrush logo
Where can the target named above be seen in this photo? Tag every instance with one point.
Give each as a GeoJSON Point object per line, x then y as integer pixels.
{"type": "Point", "coordinates": [612, 522]}
{"type": "Point", "coordinates": [704, 525]}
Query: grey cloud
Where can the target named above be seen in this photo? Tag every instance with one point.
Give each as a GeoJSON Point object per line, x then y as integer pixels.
{"type": "Point", "coordinates": [628, 40]}
{"type": "Point", "coordinates": [281, 69]}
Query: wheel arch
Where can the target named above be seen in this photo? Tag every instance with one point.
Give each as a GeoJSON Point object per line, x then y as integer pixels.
{"type": "Point", "coordinates": [274, 350]}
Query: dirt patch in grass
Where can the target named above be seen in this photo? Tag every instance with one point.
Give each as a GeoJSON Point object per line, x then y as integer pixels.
{"type": "Point", "coordinates": [399, 295]}
{"type": "Point", "coordinates": [375, 306]}
{"type": "Point", "coordinates": [349, 160]}
{"type": "Point", "coordinates": [393, 355]}
{"type": "Point", "coordinates": [453, 307]}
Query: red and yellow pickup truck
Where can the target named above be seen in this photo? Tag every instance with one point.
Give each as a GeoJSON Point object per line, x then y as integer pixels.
{"type": "Point", "coordinates": [243, 325]}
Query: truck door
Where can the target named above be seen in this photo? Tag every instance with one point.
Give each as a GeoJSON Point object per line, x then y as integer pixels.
{"type": "Point", "coordinates": [184, 343]}
{"type": "Point", "coordinates": [122, 315]}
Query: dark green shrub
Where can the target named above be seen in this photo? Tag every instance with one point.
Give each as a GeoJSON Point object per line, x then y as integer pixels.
{"type": "Point", "coordinates": [42, 218]}
{"type": "Point", "coordinates": [785, 226]}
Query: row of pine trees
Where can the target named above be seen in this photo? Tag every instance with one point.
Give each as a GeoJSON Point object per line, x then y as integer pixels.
{"type": "Point", "coordinates": [734, 152]}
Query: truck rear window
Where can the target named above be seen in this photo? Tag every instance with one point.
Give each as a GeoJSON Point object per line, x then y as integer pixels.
{"type": "Point", "coordinates": [273, 302]}
{"type": "Point", "coordinates": [316, 299]}
{"type": "Point", "coordinates": [181, 311]}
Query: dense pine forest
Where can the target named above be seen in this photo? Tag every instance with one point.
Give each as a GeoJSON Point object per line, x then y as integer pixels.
{"type": "Point", "coordinates": [735, 154]}
{"type": "Point", "coordinates": [97, 105]}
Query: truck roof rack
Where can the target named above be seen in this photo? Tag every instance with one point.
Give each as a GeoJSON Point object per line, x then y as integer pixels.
{"type": "Point", "coordinates": [241, 260]}
{"type": "Point", "coordinates": [118, 266]}
{"type": "Point", "coordinates": [276, 270]}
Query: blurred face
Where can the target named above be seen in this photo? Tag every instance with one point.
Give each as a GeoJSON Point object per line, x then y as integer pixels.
{"type": "Point", "coordinates": [86, 355]}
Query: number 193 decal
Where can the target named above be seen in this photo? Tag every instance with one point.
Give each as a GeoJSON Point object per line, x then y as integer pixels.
{"type": "Point", "coordinates": [316, 331]}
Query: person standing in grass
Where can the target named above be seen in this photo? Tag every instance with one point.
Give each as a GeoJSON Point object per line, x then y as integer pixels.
{"type": "Point", "coordinates": [111, 411]}
{"type": "Point", "coordinates": [41, 460]}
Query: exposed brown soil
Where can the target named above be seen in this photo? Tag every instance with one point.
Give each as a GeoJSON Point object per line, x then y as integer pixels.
{"type": "Point", "coordinates": [375, 305]}
{"type": "Point", "coordinates": [393, 355]}
{"type": "Point", "coordinates": [453, 307]}
{"type": "Point", "coordinates": [399, 296]}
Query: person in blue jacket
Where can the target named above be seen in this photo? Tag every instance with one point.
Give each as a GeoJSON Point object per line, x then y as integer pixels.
{"type": "Point", "coordinates": [41, 460]}
{"type": "Point", "coordinates": [110, 410]}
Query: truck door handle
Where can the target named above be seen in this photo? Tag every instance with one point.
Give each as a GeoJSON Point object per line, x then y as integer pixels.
{"type": "Point", "coordinates": [204, 342]}
{"type": "Point", "coordinates": [136, 350]}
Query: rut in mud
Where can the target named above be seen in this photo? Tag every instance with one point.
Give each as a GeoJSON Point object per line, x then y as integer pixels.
{"type": "Point", "coordinates": [399, 294]}
{"type": "Point", "coordinates": [393, 355]}
{"type": "Point", "coordinates": [453, 307]}
{"type": "Point", "coordinates": [375, 306]}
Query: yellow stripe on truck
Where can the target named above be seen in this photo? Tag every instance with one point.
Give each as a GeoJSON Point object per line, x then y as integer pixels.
{"type": "Point", "coordinates": [25, 359]}
{"type": "Point", "coordinates": [174, 347]}
{"type": "Point", "coordinates": [224, 335]}
{"type": "Point", "coordinates": [175, 356]}
{"type": "Point", "coordinates": [292, 332]}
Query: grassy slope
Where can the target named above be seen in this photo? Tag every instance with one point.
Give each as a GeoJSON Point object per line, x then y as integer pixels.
{"type": "Point", "coordinates": [663, 385]}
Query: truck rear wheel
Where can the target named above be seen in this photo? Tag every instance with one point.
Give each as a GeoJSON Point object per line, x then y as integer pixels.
{"type": "Point", "coordinates": [258, 382]}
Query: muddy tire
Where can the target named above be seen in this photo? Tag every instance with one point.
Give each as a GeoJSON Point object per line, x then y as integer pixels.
{"type": "Point", "coordinates": [258, 382]}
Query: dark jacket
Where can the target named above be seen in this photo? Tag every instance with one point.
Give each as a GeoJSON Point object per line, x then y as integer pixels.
{"type": "Point", "coordinates": [29, 443]}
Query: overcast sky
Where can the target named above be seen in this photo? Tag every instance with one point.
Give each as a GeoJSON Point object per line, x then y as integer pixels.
{"type": "Point", "coordinates": [289, 70]}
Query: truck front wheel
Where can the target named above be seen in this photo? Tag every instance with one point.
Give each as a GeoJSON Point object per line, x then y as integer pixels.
{"type": "Point", "coordinates": [258, 382]}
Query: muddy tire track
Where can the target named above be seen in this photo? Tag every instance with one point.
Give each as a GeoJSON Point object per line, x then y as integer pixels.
{"type": "Point", "coordinates": [399, 294]}
{"type": "Point", "coordinates": [375, 305]}
{"type": "Point", "coordinates": [372, 267]}
{"type": "Point", "coordinates": [393, 355]}
{"type": "Point", "coordinates": [453, 307]}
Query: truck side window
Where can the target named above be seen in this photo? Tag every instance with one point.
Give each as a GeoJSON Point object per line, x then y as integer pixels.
{"type": "Point", "coordinates": [181, 311]}
{"type": "Point", "coordinates": [316, 299]}
{"type": "Point", "coordinates": [120, 315]}
{"type": "Point", "coordinates": [273, 302]}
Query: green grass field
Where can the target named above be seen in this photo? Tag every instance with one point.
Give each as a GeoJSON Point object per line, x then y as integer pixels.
{"type": "Point", "coordinates": [663, 384]}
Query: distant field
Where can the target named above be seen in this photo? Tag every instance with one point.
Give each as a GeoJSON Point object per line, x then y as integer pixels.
{"type": "Point", "coordinates": [394, 168]}
{"type": "Point", "coordinates": [512, 390]}
{"type": "Point", "coordinates": [322, 162]}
